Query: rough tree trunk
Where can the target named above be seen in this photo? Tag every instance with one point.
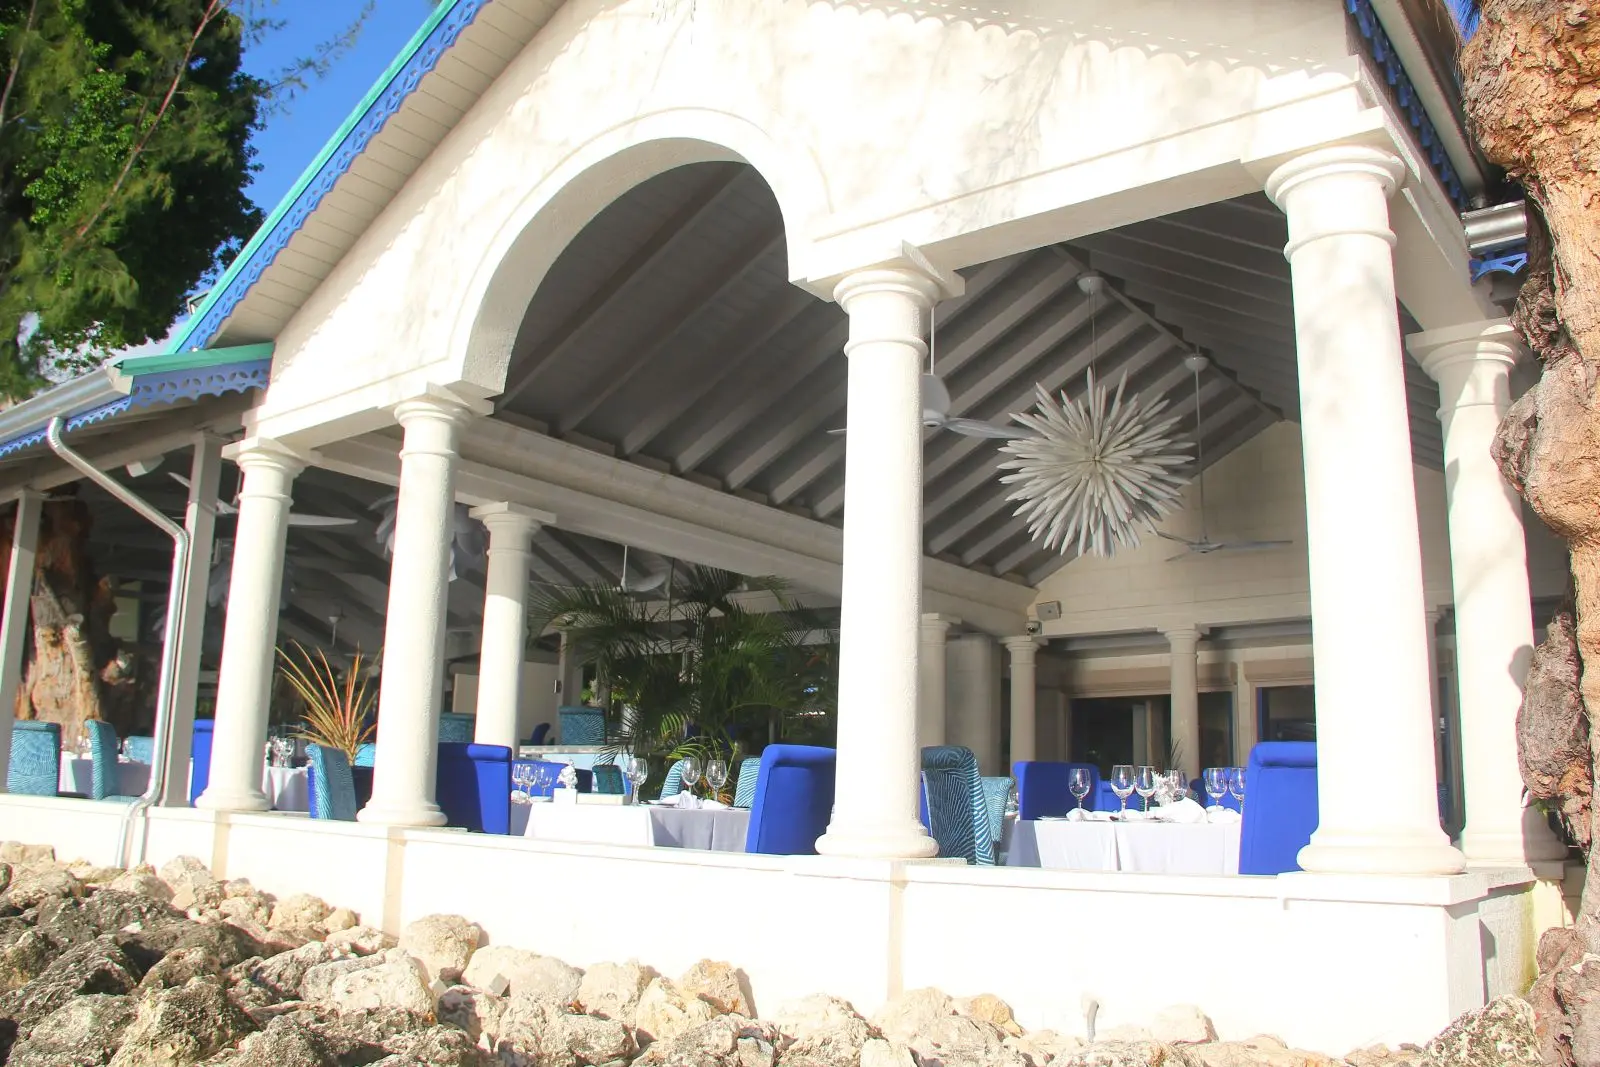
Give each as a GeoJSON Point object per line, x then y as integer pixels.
{"type": "Point", "coordinates": [1531, 80]}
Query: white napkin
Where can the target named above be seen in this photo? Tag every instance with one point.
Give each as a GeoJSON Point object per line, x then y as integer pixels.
{"type": "Point", "coordinates": [687, 800]}
{"type": "Point", "coordinates": [1182, 811]}
{"type": "Point", "coordinates": [1222, 815]}
{"type": "Point", "coordinates": [713, 805]}
{"type": "Point", "coordinates": [1084, 815]}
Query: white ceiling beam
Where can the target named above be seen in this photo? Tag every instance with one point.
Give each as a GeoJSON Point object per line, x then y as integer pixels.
{"type": "Point", "coordinates": [1004, 532]}
{"type": "Point", "coordinates": [1008, 563]}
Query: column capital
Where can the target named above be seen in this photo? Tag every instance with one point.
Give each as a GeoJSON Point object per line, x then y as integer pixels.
{"type": "Point", "coordinates": [1022, 649]}
{"type": "Point", "coordinates": [933, 622]}
{"type": "Point", "coordinates": [1183, 635]}
{"type": "Point", "coordinates": [1347, 160]}
{"type": "Point", "coordinates": [510, 521]}
{"type": "Point", "coordinates": [1336, 192]}
{"type": "Point", "coordinates": [268, 453]}
{"type": "Point", "coordinates": [1471, 362]}
{"type": "Point", "coordinates": [439, 405]}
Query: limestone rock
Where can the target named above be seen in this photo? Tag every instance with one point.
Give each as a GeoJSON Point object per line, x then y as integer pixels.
{"type": "Point", "coordinates": [473, 1011]}
{"type": "Point", "coordinates": [362, 1036]}
{"type": "Point", "coordinates": [722, 985]}
{"type": "Point", "coordinates": [178, 967]}
{"type": "Point", "coordinates": [1042, 1047]}
{"type": "Point", "coordinates": [880, 1053]}
{"type": "Point", "coordinates": [98, 966]}
{"type": "Point", "coordinates": [952, 1040]}
{"type": "Point", "coordinates": [177, 1027]}
{"type": "Point", "coordinates": [1128, 1033]}
{"type": "Point", "coordinates": [1500, 1034]}
{"type": "Point", "coordinates": [665, 1011]}
{"type": "Point", "coordinates": [84, 1032]}
{"type": "Point", "coordinates": [93, 874]}
{"type": "Point", "coordinates": [524, 972]}
{"type": "Point", "coordinates": [442, 943]}
{"type": "Point", "coordinates": [989, 1008]}
{"type": "Point", "coordinates": [227, 944]}
{"type": "Point", "coordinates": [823, 1030]}
{"type": "Point", "coordinates": [1182, 1024]}
{"type": "Point", "coordinates": [361, 940]}
{"type": "Point", "coordinates": [302, 911]}
{"type": "Point", "coordinates": [340, 919]}
{"type": "Point", "coordinates": [24, 855]}
{"type": "Point", "coordinates": [31, 887]}
{"type": "Point", "coordinates": [284, 1043]}
{"type": "Point", "coordinates": [251, 909]}
{"type": "Point", "coordinates": [612, 990]}
{"type": "Point", "coordinates": [1257, 1053]}
{"type": "Point", "coordinates": [316, 985]}
{"type": "Point", "coordinates": [395, 984]}
{"type": "Point", "coordinates": [199, 899]}
{"type": "Point", "coordinates": [110, 910]}
{"type": "Point", "coordinates": [185, 870]}
{"type": "Point", "coordinates": [534, 1032]}
{"type": "Point", "coordinates": [25, 959]}
{"type": "Point", "coordinates": [142, 881]}
{"type": "Point", "coordinates": [435, 1047]}
{"type": "Point", "coordinates": [726, 1041]}
{"type": "Point", "coordinates": [284, 973]}
{"type": "Point", "coordinates": [1128, 1054]}
{"type": "Point", "coordinates": [911, 1013]}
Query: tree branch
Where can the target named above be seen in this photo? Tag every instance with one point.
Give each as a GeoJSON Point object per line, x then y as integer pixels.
{"type": "Point", "coordinates": [16, 60]}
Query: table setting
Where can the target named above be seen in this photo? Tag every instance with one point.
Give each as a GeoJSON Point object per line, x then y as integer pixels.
{"type": "Point", "coordinates": [683, 820]}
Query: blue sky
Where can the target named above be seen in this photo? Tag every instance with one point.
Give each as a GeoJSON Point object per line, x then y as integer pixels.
{"type": "Point", "coordinates": [295, 133]}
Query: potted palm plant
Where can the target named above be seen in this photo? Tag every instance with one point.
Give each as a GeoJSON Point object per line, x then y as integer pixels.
{"type": "Point", "coordinates": [337, 704]}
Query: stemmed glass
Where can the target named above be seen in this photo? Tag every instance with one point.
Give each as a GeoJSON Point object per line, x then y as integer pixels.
{"type": "Point", "coordinates": [1216, 783]}
{"type": "Point", "coordinates": [636, 769]}
{"type": "Point", "coordinates": [1144, 783]}
{"type": "Point", "coordinates": [1122, 784]}
{"type": "Point", "coordinates": [1079, 782]}
{"type": "Point", "coordinates": [1236, 785]}
{"type": "Point", "coordinates": [716, 777]}
{"type": "Point", "coordinates": [522, 778]}
{"type": "Point", "coordinates": [691, 773]}
{"type": "Point", "coordinates": [1178, 786]}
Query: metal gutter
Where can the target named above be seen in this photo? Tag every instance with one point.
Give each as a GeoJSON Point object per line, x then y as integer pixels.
{"type": "Point", "coordinates": [100, 386]}
{"type": "Point", "coordinates": [1494, 228]}
{"type": "Point", "coordinates": [166, 685]}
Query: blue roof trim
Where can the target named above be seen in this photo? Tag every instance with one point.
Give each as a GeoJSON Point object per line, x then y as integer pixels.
{"type": "Point", "coordinates": [1404, 94]}
{"type": "Point", "coordinates": [1511, 260]}
{"type": "Point", "coordinates": [167, 387]}
{"type": "Point", "coordinates": [386, 98]}
{"type": "Point", "coordinates": [93, 415]}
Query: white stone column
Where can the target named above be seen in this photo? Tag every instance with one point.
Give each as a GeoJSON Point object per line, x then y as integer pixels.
{"type": "Point", "coordinates": [569, 674]}
{"type": "Point", "coordinates": [1024, 698]}
{"type": "Point", "coordinates": [1246, 724]}
{"type": "Point", "coordinates": [1489, 574]}
{"type": "Point", "coordinates": [200, 520]}
{"type": "Point", "coordinates": [932, 680]}
{"type": "Point", "coordinates": [1184, 728]}
{"type": "Point", "coordinates": [412, 685]}
{"type": "Point", "coordinates": [250, 632]}
{"type": "Point", "coordinates": [16, 615]}
{"type": "Point", "coordinates": [972, 710]}
{"type": "Point", "coordinates": [505, 620]}
{"type": "Point", "coordinates": [875, 812]}
{"type": "Point", "coordinates": [1368, 641]}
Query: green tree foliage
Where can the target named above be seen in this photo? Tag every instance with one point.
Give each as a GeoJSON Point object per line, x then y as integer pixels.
{"type": "Point", "coordinates": [124, 130]}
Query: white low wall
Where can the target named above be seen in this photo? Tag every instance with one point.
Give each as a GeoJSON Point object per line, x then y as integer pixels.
{"type": "Point", "coordinates": [1325, 962]}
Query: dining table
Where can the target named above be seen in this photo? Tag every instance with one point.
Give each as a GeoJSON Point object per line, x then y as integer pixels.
{"type": "Point", "coordinates": [661, 826]}
{"type": "Point", "coordinates": [77, 776]}
{"type": "Point", "coordinates": [1144, 845]}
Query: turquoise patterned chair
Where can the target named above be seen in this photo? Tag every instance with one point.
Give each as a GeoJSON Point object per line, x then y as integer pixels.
{"type": "Point", "coordinates": [744, 794]}
{"type": "Point", "coordinates": [457, 729]}
{"type": "Point", "coordinates": [582, 725]}
{"type": "Point", "coordinates": [140, 749]}
{"type": "Point", "coordinates": [103, 762]}
{"type": "Point", "coordinates": [608, 779]}
{"type": "Point", "coordinates": [35, 767]}
{"type": "Point", "coordinates": [333, 787]}
{"type": "Point", "coordinates": [672, 784]}
{"type": "Point", "coordinates": [997, 794]}
{"type": "Point", "coordinates": [954, 808]}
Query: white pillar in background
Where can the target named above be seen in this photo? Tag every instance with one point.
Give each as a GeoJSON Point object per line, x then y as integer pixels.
{"type": "Point", "coordinates": [1368, 640]}
{"type": "Point", "coordinates": [875, 811]}
{"type": "Point", "coordinates": [505, 620]}
{"type": "Point", "coordinates": [16, 615]}
{"type": "Point", "coordinates": [569, 675]}
{"type": "Point", "coordinates": [250, 632]}
{"type": "Point", "coordinates": [932, 680]}
{"type": "Point", "coordinates": [1023, 652]}
{"type": "Point", "coordinates": [412, 685]}
{"type": "Point", "coordinates": [200, 520]}
{"type": "Point", "coordinates": [1184, 728]}
{"type": "Point", "coordinates": [1246, 719]}
{"type": "Point", "coordinates": [1489, 574]}
{"type": "Point", "coordinates": [973, 711]}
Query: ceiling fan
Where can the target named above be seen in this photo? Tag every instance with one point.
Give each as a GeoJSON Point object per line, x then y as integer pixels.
{"type": "Point", "coordinates": [295, 519]}
{"type": "Point", "coordinates": [936, 403]}
{"type": "Point", "coordinates": [1203, 545]}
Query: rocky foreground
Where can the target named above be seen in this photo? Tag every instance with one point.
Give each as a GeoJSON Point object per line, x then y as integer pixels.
{"type": "Point", "coordinates": [141, 968]}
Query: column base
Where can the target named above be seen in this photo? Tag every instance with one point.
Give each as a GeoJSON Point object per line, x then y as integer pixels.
{"type": "Point", "coordinates": [242, 800]}
{"type": "Point", "coordinates": [1533, 843]}
{"type": "Point", "coordinates": [900, 841]}
{"type": "Point", "coordinates": [419, 814]}
{"type": "Point", "coordinates": [1420, 852]}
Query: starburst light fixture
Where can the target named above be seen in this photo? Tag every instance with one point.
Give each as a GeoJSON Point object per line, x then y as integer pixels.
{"type": "Point", "coordinates": [1097, 471]}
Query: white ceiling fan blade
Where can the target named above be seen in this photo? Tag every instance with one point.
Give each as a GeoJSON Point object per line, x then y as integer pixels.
{"type": "Point", "coordinates": [648, 582]}
{"type": "Point", "coordinates": [1250, 546]}
{"type": "Point", "coordinates": [223, 507]}
{"type": "Point", "coordinates": [1175, 537]}
{"type": "Point", "coordinates": [840, 432]}
{"type": "Point", "coordinates": [979, 428]}
{"type": "Point", "coordinates": [935, 399]}
{"type": "Point", "coordinates": [319, 520]}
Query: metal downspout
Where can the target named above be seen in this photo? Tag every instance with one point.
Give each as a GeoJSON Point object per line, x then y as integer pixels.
{"type": "Point", "coordinates": [177, 594]}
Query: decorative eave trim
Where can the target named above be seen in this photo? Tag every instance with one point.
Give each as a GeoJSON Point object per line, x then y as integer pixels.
{"type": "Point", "coordinates": [78, 421]}
{"type": "Point", "coordinates": [167, 387]}
{"type": "Point", "coordinates": [198, 359]}
{"type": "Point", "coordinates": [421, 54]}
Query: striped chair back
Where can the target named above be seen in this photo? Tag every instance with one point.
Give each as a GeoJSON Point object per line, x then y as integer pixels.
{"type": "Point", "coordinates": [956, 813]}
{"type": "Point", "coordinates": [366, 755]}
{"type": "Point", "coordinates": [103, 758]}
{"type": "Point", "coordinates": [997, 794]}
{"type": "Point", "coordinates": [744, 794]}
{"type": "Point", "coordinates": [333, 787]}
{"type": "Point", "coordinates": [582, 725]}
{"type": "Point", "coordinates": [35, 767]}
{"type": "Point", "coordinates": [140, 748]}
{"type": "Point", "coordinates": [608, 779]}
{"type": "Point", "coordinates": [672, 784]}
{"type": "Point", "coordinates": [457, 729]}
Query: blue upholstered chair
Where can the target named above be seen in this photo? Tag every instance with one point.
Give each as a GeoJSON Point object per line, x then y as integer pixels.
{"type": "Point", "coordinates": [672, 784]}
{"type": "Point", "coordinates": [1103, 799]}
{"type": "Point", "coordinates": [140, 748]}
{"type": "Point", "coordinates": [331, 786]}
{"type": "Point", "coordinates": [1044, 787]}
{"type": "Point", "coordinates": [366, 755]}
{"type": "Point", "coordinates": [457, 729]}
{"type": "Point", "coordinates": [997, 794]}
{"type": "Point", "coordinates": [953, 802]}
{"type": "Point", "coordinates": [200, 757]}
{"type": "Point", "coordinates": [1280, 806]}
{"type": "Point", "coordinates": [35, 767]}
{"type": "Point", "coordinates": [1227, 800]}
{"type": "Point", "coordinates": [744, 793]}
{"type": "Point", "coordinates": [582, 725]}
{"type": "Point", "coordinates": [473, 786]}
{"type": "Point", "coordinates": [103, 762]}
{"type": "Point", "coordinates": [793, 801]}
{"type": "Point", "coordinates": [608, 779]}
{"type": "Point", "coordinates": [540, 732]}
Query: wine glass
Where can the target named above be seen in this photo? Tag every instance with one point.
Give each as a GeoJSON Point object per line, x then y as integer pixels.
{"type": "Point", "coordinates": [1236, 785]}
{"type": "Point", "coordinates": [691, 773]}
{"type": "Point", "coordinates": [1179, 785]}
{"type": "Point", "coordinates": [1122, 783]}
{"type": "Point", "coordinates": [636, 769]}
{"type": "Point", "coordinates": [1079, 783]}
{"type": "Point", "coordinates": [1215, 780]}
{"type": "Point", "coordinates": [716, 777]}
{"type": "Point", "coordinates": [1144, 783]}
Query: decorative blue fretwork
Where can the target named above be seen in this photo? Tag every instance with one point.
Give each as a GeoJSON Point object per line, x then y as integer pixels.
{"type": "Point", "coordinates": [191, 384]}
{"type": "Point", "coordinates": [83, 418]}
{"type": "Point", "coordinates": [1404, 94]}
{"type": "Point", "coordinates": [1512, 260]}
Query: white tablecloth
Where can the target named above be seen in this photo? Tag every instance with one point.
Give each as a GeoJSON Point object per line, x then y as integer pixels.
{"type": "Point", "coordinates": [77, 776]}
{"type": "Point", "coordinates": [1154, 847]}
{"type": "Point", "coordinates": [286, 788]}
{"type": "Point", "coordinates": [615, 824]}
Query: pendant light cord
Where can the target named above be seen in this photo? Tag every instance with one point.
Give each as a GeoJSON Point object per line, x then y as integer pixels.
{"type": "Point", "coordinates": [1199, 456]}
